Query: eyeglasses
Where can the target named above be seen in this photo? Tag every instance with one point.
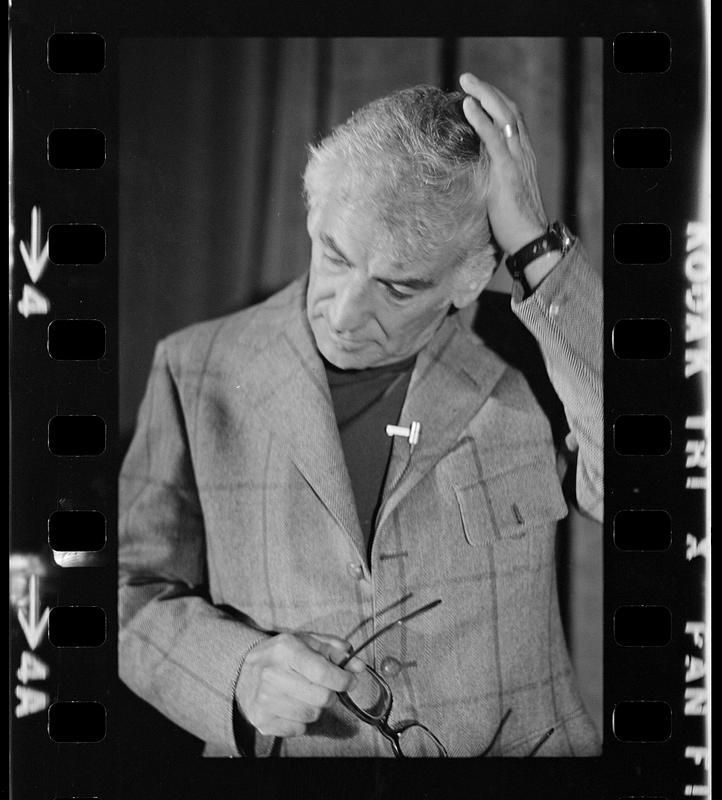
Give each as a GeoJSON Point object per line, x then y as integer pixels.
{"type": "Point", "coordinates": [371, 701]}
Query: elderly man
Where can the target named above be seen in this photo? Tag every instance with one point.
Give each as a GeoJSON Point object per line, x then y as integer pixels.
{"type": "Point", "coordinates": [348, 455]}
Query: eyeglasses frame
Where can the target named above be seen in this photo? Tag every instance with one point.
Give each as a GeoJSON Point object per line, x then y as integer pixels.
{"type": "Point", "coordinates": [393, 735]}
{"type": "Point", "coordinates": [381, 723]}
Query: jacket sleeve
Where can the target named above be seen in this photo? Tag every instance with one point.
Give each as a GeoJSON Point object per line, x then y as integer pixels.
{"type": "Point", "coordinates": [565, 315]}
{"type": "Point", "coordinates": [176, 649]}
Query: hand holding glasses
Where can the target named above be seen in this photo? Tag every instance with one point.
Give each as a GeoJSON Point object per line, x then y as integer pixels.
{"type": "Point", "coordinates": [284, 686]}
{"type": "Point", "coordinates": [296, 676]}
{"type": "Point", "coordinates": [287, 680]}
{"type": "Point", "coordinates": [371, 700]}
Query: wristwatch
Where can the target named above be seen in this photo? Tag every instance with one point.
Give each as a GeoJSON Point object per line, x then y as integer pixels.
{"type": "Point", "coordinates": [557, 238]}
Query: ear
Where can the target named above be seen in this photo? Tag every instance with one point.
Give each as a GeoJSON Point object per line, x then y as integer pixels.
{"type": "Point", "coordinates": [470, 283]}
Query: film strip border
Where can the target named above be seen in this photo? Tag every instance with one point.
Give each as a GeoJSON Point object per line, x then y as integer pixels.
{"type": "Point", "coordinates": [64, 387]}
{"type": "Point", "coordinates": [64, 370]}
{"type": "Point", "coordinates": [656, 418]}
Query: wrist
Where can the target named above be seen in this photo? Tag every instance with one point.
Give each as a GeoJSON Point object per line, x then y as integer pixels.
{"type": "Point", "coordinates": [536, 270]}
{"type": "Point", "coordinates": [522, 238]}
{"type": "Point", "coordinates": [535, 260]}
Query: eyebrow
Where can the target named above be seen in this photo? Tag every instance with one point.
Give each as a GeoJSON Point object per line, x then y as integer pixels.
{"type": "Point", "coordinates": [409, 283]}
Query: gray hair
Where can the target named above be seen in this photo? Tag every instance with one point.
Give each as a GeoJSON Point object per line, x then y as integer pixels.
{"type": "Point", "coordinates": [414, 161]}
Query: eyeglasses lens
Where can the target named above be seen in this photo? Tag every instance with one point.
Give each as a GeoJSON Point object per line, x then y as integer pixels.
{"type": "Point", "coordinates": [416, 742]}
{"type": "Point", "coordinates": [371, 697]}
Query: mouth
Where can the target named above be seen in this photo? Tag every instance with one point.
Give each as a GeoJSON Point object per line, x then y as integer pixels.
{"type": "Point", "coordinates": [348, 345]}
{"type": "Point", "coordinates": [344, 343]}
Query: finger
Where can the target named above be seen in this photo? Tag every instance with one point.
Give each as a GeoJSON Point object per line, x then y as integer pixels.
{"type": "Point", "coordinates": [336, 650]}
{"type": "Point", "coordinates": [318, 669]}
{"type": "Point", "coordinates": [295, 685]}
{"type": "Point", "coordinates": [355, 664]}
{"type": "Point", "coordinates": [489, 98]}
{"type": "Point", "coordinates": [341, 658]}
{"type": "Point", "coordinates": [332, 647]}
{"type": "Point", "coordinates": [335, 641]}
{"type": "Point", "coordinates": [281, 727]}
{"type": "Point", "coordinates": [519, 118]}
{"type": "Point", "coordinates": [506, 117]}
{"type": "Point", "coordinates": [521, 127]}
{"type": "Point", "coordinates": [503, 111]}
{"type": "Point", "coordinates": [510, 103]}
{"type": "Point", "coordinates": [291, 709]}
{"type": "Point", "coordinates": [513, 139]}
{"type": "Point", "coordinates": [488, 132]}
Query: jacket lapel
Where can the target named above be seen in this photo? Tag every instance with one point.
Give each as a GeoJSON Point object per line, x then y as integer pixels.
{"type": "Point", "coordinates": [291, 397]}
{"type": "Point", "coordinates": [453, 377]}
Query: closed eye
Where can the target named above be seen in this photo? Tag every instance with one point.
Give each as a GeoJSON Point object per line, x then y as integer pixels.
{"type": "Point", "coordinates": [339, 262]}
{"type": "Point", "coordinates": [395, 293]}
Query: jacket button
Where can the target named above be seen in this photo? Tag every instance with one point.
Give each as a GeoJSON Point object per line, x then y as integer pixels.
{"type": "Point", "coordinates": [355, 570]}
{"type": "Point", "coordinates": [390, 667]}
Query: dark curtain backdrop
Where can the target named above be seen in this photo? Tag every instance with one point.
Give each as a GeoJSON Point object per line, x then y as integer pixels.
{"type": "Point", "coordinates": [213, 135]}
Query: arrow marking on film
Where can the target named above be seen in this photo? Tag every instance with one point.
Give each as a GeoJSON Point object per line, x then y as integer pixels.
{"type": "Point", "coordinates": [36, 259]}
{"type": "Point", "coordinates": [32, 625]}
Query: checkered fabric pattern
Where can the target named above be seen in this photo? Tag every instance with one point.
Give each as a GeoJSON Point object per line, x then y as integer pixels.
{"type": "Point", "coordinates": [238, 521]}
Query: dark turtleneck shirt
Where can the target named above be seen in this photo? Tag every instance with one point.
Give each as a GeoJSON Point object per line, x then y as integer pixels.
{"type": "Point", "coordinates": [365, 402]}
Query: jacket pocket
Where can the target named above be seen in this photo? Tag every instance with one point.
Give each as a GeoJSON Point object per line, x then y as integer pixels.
{"type": "Point", "coordinates": [506, 505]}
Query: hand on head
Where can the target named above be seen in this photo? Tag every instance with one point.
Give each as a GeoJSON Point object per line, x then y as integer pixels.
{"type": "Point", "coordinates": [515, 208]}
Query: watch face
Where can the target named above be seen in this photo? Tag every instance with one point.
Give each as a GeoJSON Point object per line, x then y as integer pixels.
{"type": "Point", "coordinates": [564, 235]}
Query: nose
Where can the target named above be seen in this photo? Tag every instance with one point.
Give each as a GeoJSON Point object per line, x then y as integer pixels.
{"type": "Point", "coordinates": [349, 308]}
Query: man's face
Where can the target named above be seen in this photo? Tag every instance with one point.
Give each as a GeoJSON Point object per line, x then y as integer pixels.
{"type": "Point", "coordinates": [366, 310]}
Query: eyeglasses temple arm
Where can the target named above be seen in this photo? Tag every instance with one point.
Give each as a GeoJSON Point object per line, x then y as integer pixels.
{"type": "Point", "coordinates": [383, 630]}
{"type": "Point", "coordinates": [496, 734]}
{"type": "Point", "coordinates": [365, 621]}
{"type": "Point", "coordinates": [541, 741]}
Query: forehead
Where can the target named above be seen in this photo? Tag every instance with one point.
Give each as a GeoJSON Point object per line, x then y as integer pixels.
{"type": "Point", "coordinates": [361, 236]}
{"type": "Point", "coordinates": [352, 226]}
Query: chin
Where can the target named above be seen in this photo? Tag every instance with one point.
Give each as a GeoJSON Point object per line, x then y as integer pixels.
{"type": "Point", "coordinates": [347, 360]}
{"type": "Point", "coordinates": [352, 358]}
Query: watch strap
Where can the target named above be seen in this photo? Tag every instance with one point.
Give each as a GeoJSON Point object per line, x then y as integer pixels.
{"type": "Point", "coordinates": [556, 238]}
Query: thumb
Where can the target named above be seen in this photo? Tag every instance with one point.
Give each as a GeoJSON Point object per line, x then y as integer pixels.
{"type": "Point", "coordinates": [335, 649]}
{"type": "Point", "coordinates": [327, 645]}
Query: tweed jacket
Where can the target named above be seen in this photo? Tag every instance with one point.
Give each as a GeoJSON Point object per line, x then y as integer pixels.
{"type": "Point", "coordinates": [238, 522]}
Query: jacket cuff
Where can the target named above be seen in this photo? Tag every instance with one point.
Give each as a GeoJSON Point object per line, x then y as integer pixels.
{"type": "Point", "coordinates": [555, 285]}
{"type": "Point", "coordinates": [194, 688]}
{"type": "Point", "coordinates": [248, 741]}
